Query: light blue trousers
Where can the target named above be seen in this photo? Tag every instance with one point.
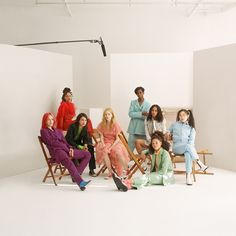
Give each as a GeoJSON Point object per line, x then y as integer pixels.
{"type": "Point", "coordinates": [189, 153]}
{"type": "Point", "coordinates": [132, 138]}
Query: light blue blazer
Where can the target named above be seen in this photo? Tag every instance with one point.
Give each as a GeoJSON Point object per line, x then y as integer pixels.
{"type": "Point", "coordinates": [136, 124]}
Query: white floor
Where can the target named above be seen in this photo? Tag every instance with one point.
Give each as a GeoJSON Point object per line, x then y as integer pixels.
{"type": "Point", "coordinates": [29, 207]}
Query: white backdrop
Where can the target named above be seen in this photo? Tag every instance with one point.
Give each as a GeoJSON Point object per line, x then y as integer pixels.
{"type": "Point", "coordinates": [214, 104]}
{"type": "Point", "coordinates": [31, 84]}
{"type": "Point", "coordinates": [166, 77]}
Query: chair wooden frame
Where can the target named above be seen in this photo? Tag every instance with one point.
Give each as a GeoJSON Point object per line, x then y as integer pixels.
{"type": "Point", "coordinates": [204, 153]}
{"type": "Point", "coordinates": [52, 165]}
{"type": "Point", "coordinates": [138, 161]}
{"type": "Point", "coordinates": [95, 139]}
{"type": "Point", "coordinates": [180, 159]}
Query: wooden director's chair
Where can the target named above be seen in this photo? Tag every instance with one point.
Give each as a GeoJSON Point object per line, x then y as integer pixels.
{"type": "Point", "coordinates": [138, 161]}
{"type": "Point", "coordinates": [175, 158]}
{"type": "Point", "coordinates": [96, 139]}
{"type": "Point", "coordinates": [203, 154]}
{"type": "Point", "coordinates": [52, 165]}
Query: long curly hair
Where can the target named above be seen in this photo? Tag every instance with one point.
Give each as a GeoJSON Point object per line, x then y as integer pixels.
{"type": "Point", "coordinates": [159, 116]}
{"type": "Point", "coordinates": [160, 136]}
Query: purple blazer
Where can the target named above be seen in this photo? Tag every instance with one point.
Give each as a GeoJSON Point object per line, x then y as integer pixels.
{"type": "Point", "coordinates": [54, 141]}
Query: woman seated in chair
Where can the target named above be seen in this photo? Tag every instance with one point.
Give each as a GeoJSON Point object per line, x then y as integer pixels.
{"type": "Point", "coordinates": [110, 150]}
{"type": "Point", "coordinates": [62, 152]}
{"type": "Point", "coordinates": [154, 122]}
{"type": "Point", "coordinates": [183, 134]}
{"type": "Point", "coordinates": [78, 137]}
{"type": "Point", "coordinates": [161, 167]}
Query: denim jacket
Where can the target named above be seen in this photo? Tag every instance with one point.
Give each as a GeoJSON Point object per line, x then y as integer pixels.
{"type": "Point", "coordinates": [182, 133]}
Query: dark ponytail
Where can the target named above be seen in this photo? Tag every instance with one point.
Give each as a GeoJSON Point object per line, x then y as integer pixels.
{"type": "Point", "coordinates": [191, 121]}
{"type": "Point", "coordinates": [160, 136]}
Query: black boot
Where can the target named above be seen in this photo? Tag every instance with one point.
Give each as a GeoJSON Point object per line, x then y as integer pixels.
{"type": "Point", "coordinates": [119, 184]}
{"type": "Point", "coordinates": [92, 173]}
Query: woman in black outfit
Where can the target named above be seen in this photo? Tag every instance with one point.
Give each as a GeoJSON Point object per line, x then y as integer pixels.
{"type": "Point", "coordinates": [78, 137]}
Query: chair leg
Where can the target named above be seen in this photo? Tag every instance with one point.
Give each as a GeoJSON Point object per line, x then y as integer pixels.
{"type": "Point", "coordinates": [52, 175]}
{"type": "Point", "coordinates": [63, 173]}
{"type": "Point", "coordinates": [193, 171]}
{"type": "Point", "coordinates": [56, 168]}
{"type": "Point", "coordinates": [60, 167]}
{"type": "Point", "coordinates": [46, 175]}
{"type": "Point", "coordinates": [132, 172]}
{"type": "Point", "coordinates": [102, 170]}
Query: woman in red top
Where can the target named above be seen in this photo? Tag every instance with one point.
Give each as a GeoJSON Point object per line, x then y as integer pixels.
{"type": "Point", "coordinates": [66, 110]}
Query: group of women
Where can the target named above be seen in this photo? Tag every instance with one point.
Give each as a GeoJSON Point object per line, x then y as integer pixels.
{"type": "Point", "coordinates": [147, 133]}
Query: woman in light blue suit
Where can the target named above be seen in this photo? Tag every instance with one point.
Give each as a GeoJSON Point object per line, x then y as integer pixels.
{"type": "Point", "coordinates": [138, 112]}
{"type": "Point", "coordinates": [183, 134]}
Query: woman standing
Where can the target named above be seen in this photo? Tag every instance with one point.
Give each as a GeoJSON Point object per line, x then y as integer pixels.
{"type": "Point", "coordinates": [138, 112]}
{"type": "Point", "coordinates": [66, 111]}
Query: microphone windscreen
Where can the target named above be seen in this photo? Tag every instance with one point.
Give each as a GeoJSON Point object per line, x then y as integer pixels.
{"type": "Point", "coordinates": [103, 50]}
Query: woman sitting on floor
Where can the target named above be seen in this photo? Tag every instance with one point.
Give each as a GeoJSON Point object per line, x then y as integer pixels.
{"type": "Point", "coordinates": [161, 167]}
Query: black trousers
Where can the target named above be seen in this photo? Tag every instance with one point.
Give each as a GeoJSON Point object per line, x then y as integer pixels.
{"type": "Point", "coordinates": [92, 162]}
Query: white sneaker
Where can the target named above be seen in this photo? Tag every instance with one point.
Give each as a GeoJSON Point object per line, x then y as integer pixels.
{"type": "Point", "coordinates": [188, 179]}
{"type": "Point", "coordinates": [202, 166]}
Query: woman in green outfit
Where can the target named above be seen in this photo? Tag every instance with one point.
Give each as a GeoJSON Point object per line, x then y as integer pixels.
{"type": "Point", "coordinates": [161, 167]}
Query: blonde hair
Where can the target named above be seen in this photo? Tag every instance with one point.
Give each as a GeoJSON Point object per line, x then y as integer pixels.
{"type": "Point", "coordinates": [113, 119]}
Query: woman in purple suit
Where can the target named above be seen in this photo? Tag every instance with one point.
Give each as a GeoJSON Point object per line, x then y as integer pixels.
{"type": "Point", "coordinates": [62, 152]}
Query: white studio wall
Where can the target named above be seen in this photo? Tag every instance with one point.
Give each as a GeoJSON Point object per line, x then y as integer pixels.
{"type": "Point", "coordinates": [215, 102]}
{"type": "Point", "coordinates": [31, 84]}
{"type": "Point", "coordinates": [166, 77]}
{"type": "Point", "coordinates": [95, 114]}
{"type": "Point", "coordinates": [125, 29]}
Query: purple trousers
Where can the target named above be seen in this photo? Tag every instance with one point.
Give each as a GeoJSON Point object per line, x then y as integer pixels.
{"type": "Point", "coordinates": [75, 171]}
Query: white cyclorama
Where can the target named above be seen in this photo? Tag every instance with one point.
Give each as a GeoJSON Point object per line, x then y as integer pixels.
{"type": "Point", "coordinates": [166, 77]}
{"type": "Point", "coordinates": [31, 84]}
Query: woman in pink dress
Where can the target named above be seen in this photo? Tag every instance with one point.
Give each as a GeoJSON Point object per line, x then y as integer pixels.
{"type": "Point", "coordinates": [110, 150]}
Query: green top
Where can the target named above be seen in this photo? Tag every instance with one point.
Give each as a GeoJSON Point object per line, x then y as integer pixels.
{"type": "Point", "coordinates": [164, 162]}
{"type": "Point", "coordinates": [78, 132]}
